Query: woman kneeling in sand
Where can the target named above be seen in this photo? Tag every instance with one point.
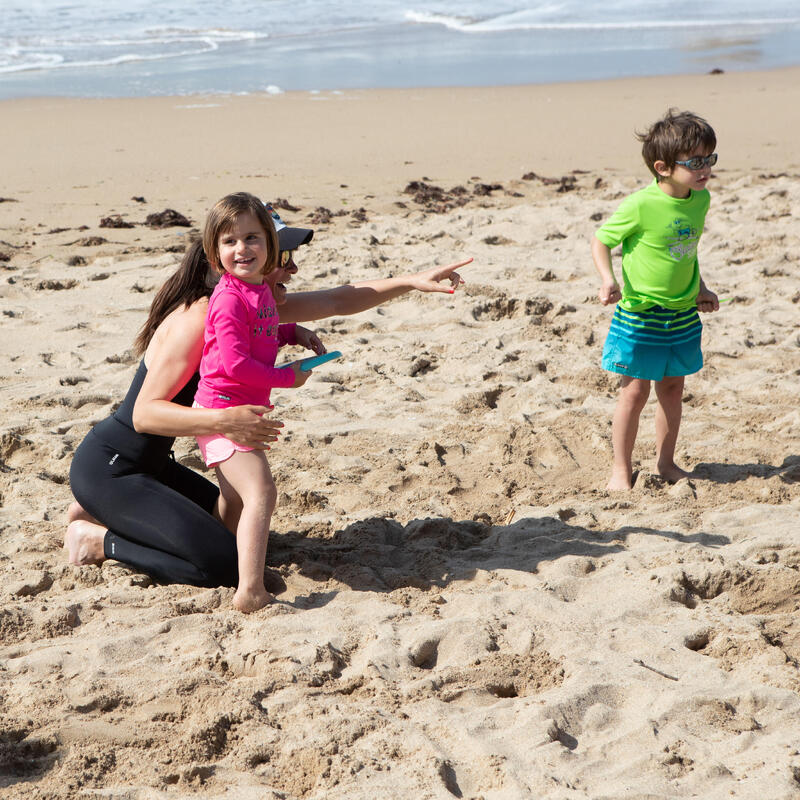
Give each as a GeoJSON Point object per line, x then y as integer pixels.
{"type": "Point", "coordinates": [133, 502]}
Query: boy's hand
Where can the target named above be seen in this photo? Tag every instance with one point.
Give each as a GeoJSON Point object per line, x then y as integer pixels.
{"type": "Point", "coordinates": [707, 300]}
{"type": "Point", "coordinates": [300, 376]}
{"type": "Point", "coordinates": [609, 293]}
{"type": "Point", "coordinates": [309, 340]}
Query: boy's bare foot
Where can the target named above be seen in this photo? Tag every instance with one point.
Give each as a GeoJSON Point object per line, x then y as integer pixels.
{"type": "Point", "coordinates": [249, 600]}
{"type": "Point", "coordinates": [84, 542]}
{"type": "Point", "coordinates": [672, 473]}
{"type": "Point", "coordinates": [77, 511]}
{"type": "Point", "coordinates": [620, 481]}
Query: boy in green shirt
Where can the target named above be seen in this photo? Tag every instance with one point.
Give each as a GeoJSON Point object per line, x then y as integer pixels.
{"type": "Point", "coordinates": [655, 331]}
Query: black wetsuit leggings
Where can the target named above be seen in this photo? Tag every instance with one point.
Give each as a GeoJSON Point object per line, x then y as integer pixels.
{"type": "Point", "coordinates": [158, 521]}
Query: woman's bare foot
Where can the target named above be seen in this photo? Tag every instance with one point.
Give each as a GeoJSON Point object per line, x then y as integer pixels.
{"type": "Point", "coordinates": [249, 600]}
{"type": "Point", "coordinates": [84, 542]}
{"type": "Point", "coordinates": [672, 473]}
{"type": "Point", "coordinates": [76, 511]}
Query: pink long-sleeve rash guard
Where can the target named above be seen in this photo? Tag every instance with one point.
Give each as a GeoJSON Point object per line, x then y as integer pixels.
{"type": "Point", "coordinates": [241, 342]}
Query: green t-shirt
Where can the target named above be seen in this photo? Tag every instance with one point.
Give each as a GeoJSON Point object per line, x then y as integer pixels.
{"type": "Point", "coordinates": [659, 236]}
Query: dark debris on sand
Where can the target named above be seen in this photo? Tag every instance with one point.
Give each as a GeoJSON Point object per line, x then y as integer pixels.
{"type": "Point", "coordinates": [322, 216]}
{"type": "Point", "coordinates": [115, 221]}
{"type": "Point", "coordinates": [89, 241]}
{"type": "Point", "coordinates": [439, 201]}
{"type": "Point", "coordinates": [436, 199]}
{"type": "Point", "coordinates": [485, 189]}
{"type": "Point", "coordinates": [285, 205]}
{"type": "Point", "coordinates": [169, 218]}
{"type": "Point", "coordinates": [566, 183]}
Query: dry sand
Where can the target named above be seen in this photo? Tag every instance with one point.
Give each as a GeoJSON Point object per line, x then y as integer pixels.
{"type": "Point", "coordinates": [466, 611]}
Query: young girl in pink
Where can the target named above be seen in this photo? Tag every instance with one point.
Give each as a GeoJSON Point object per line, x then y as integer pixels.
{"type": "Point", "coordinates": [242, 337]}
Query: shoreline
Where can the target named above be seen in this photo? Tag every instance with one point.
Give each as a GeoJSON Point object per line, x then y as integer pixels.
{"type": "Point", "coordinates": [410, 56]}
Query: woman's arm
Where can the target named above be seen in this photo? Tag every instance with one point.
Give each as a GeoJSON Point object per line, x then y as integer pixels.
{"type": "Point", "coordinates": [355, 297]}
{"type": "Point", "coordinates": [171, 359]}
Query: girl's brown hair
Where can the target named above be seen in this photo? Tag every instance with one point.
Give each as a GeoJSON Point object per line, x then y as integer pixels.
{"type": "Point", "coordinates": [222, 218]}
{"type": "Point", "coordinates": [195, 277]}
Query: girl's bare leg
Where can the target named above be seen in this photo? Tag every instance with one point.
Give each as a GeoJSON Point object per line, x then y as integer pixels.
{"type": "Point", "coordinates": [248, 476]}
{"type": "Point", "coordinates": [228, 510]}
{"type": "Point", "coordinates": [669, 392]}
{"type": "Point", "coordinates": [633, 394]}
{"type": "Point", "coordinates": [84, 542]}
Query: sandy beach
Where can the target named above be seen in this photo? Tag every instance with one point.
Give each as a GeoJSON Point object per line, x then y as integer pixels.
{"type": "Point", "coordinates": [463, 610]}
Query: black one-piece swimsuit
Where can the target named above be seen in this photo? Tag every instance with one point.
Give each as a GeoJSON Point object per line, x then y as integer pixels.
{"type": "Point", "coordinates": [158, 512]}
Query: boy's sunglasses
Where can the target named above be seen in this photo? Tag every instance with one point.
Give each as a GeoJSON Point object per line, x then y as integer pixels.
{"type": "Point", "coordinates": [698, 162]}
{"type": "Point", "coordinates": [286, 257]}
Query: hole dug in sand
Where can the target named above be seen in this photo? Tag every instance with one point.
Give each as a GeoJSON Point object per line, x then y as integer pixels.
{"type": "Point", "coordinates": [761, 633]}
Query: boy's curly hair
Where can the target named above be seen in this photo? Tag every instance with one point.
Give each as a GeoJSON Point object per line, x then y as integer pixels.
{"type": "Point", "coordinates": [677, 134]}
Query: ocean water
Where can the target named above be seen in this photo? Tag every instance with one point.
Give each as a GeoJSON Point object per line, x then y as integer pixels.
{"type": "Point", "coordinates": [118, 48]}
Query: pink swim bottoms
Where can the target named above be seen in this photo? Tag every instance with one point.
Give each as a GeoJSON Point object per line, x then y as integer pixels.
{"type": "Point", "coordinates": [216, 448]}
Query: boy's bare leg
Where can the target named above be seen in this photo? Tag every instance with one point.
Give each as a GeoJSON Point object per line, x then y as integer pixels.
{"type": "Point", "coordinates": [633, 394]}
{"type": "Point", "coordinates": [669, 392]}
{"type": "Point", "coordinates": [84, 542]}
{"type": "Point", "coordinates": [248, 476]}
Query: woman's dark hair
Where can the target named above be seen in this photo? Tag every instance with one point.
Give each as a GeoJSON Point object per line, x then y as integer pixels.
{"type": "Point", "coordinates": [188, 284]}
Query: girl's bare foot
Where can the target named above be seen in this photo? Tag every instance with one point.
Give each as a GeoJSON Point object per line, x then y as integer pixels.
{"type": "Point", "coordinates": [77, 511]}
{"type": "Point", "coordinates": [620, 481]}
{"type": "Point", "coordinates": [249, 600]}
{"type": "Point", "coordinates": [672, 473]}
{"type": "Point", "coordinates": [84, 542]}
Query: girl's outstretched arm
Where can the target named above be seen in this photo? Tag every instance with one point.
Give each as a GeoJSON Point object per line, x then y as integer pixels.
{"type": "Point", "coordinates": [355, 297]}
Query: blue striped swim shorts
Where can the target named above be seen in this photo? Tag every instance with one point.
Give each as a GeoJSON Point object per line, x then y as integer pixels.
{"type": "Point", "coordinates": [654, 344]}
